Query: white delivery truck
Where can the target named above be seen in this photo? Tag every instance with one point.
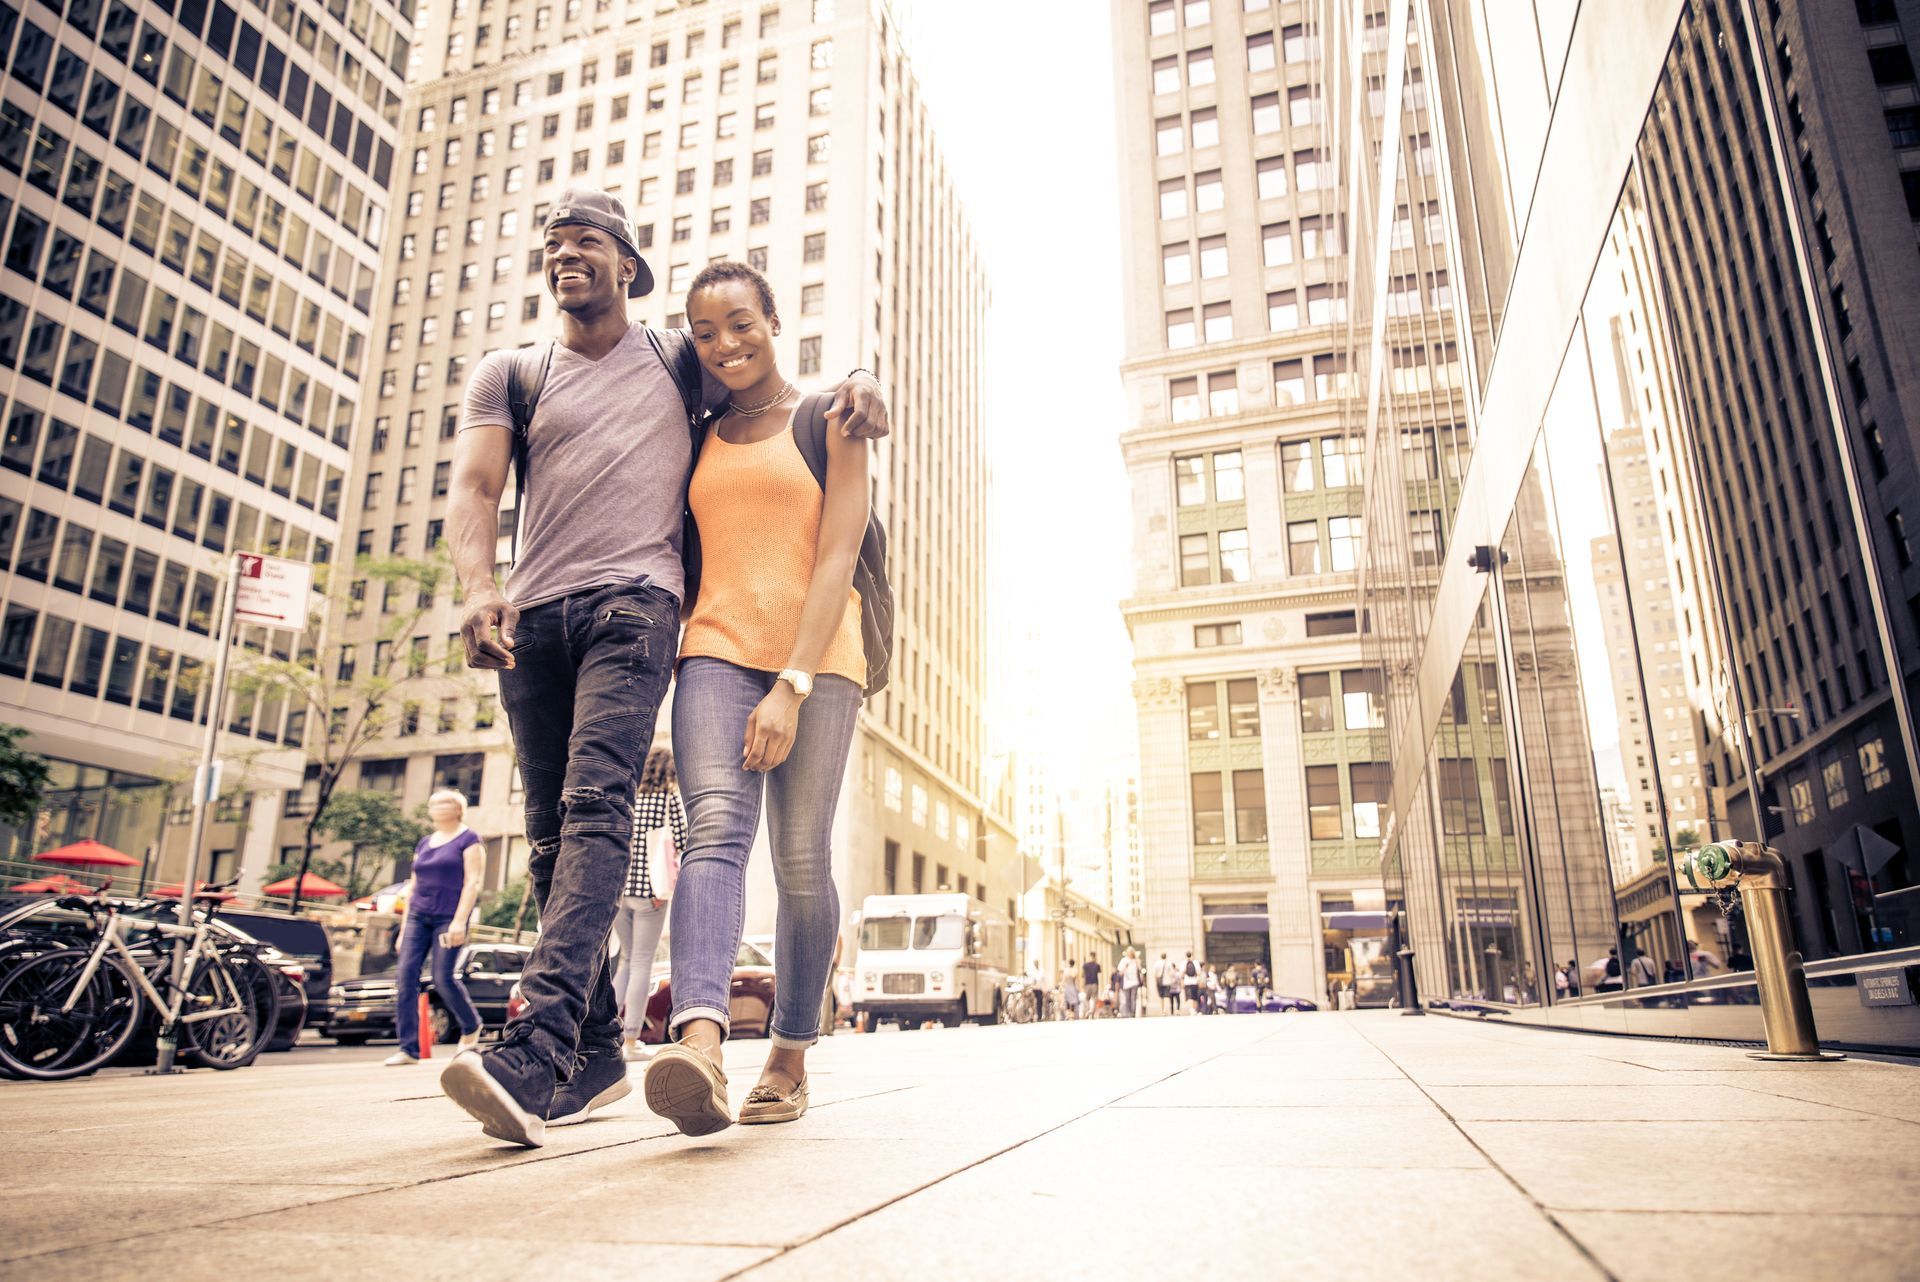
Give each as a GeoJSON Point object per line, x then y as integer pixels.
{"type": "Point", "coordinates": [922, 957]}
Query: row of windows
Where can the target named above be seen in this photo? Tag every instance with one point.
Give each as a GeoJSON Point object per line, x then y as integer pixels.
{"type": "Point", "coordinates": [1295, 41]}
{"type": "Point", "coordinates": [1313, 170]}
{"type": "Point", "coordinates": [1193, 13]}
{"type": "Point", "coordinates": [1201, 127]}
{"type": "Point", "coordinates": [93, 663]}
{"type": "Point", "coordinates": [515, 28]}
{"type": "Point", "coordinates": [1320, 546]}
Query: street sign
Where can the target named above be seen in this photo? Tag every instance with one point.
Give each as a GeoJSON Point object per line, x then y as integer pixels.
{"type": "Point", "coordinates": [1885, 988]}
{"type": "Point", "coordinates": [272, 592]}
{"type": "Point", "coordinates": [206, 783]}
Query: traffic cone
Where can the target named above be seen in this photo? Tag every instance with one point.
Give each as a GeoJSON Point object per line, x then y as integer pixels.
{"type": "Point", "coordinates": [426, 1028]}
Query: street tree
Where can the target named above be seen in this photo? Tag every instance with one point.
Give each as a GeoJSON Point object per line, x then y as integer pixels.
{"type": "Point", "coordinates": [360, 691]}
{"type": "Point", "coordinates": [372, 824]}
{"type": "Point", "coordinates": [23, 778]}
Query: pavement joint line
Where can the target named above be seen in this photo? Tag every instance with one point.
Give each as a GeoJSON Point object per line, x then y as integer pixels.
{"type": "Point", "coordinates": [1865, 1113]}
{"type": "Point", "coordinates": [982, 1161]}
{"type": "Point", "coordinates": [1545, 1213]}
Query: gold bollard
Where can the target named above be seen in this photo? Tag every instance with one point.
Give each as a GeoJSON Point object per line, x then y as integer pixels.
{"type": "Point", "coordinates": [1781, 974]}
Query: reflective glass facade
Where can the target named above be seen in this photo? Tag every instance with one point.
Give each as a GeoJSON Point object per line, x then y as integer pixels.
{"type": "Point", "coordinates": [1634, 316]}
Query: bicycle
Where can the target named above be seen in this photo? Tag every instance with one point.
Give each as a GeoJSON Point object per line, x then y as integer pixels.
{"type": "Point", "coordinates": [67, 1011]}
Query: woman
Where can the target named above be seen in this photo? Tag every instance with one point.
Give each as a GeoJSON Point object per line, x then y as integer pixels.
{"type": "Point", "coordinates": [1070, 990]}
{"type": "Point", "coordinates": [772, 668]}
{"type": "Point", "coordinates": [652, 868]}
{"type": "Point", "coordinates": [649, 883]}
{"type": "Point", "coordinates": [448, 866]}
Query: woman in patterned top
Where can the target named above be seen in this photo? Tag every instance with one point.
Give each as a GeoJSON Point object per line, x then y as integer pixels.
{"type": "Point", "coordinates": [651, 871]}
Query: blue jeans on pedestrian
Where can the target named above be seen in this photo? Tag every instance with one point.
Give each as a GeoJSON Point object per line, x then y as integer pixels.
{"type": "Point", "coordinates": [711, 704]}
{"type": "Point", "coordinates": [419, 935]}
{"type": "Point", "coordinates": [589, 674]}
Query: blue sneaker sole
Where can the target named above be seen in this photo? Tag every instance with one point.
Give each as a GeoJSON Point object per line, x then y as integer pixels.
{"type": "Point", "coordinates": [616, 1091]}
{"type": "Point", "coordinates": [468, 1084]}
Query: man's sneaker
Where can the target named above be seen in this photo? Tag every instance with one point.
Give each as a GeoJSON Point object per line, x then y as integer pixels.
{"type": "Point", "coordinates": [599, 1078]}
{"type": "Point", "coordinates": [399, 1058]}
{"type": "Point", "coordinates": [689, 1090]}
{"type": "Point", "coordinates": [509, 1089]}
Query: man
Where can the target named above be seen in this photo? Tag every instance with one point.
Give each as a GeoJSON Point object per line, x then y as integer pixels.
{"type": "Point", "coordinates": [1190, 982]}
{"type": "Point", "coordinates": [1129, 985]}
{"type": "Point", "coordinates": [584, 635]}
{"type": "Point", "coordinates": [1166, 978]}
{"type": "Point", "coordinates": [1090, 977]}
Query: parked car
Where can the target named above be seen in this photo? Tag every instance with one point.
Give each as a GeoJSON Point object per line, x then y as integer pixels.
{"type": "Point", "coordinates": [1276, 1004]}
{"type": "Point", "coordinates": [750, 1002]}
{"type": "Point", "coordinates": [362, 1009]}
{"type": "Point", "coordinates": [301, 939]}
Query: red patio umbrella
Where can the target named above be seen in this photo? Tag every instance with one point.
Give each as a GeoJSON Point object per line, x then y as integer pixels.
{"type": "Point", "coordinates": [312, 886]}
{"type": "Point", "coordinates": [87, 854]}
{"type": "Point", "coordinates": [57, 884]}
{"type": "Point", "coordinates": [172, 891]}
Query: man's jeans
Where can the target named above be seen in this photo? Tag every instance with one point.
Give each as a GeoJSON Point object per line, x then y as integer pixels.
{"type": "Point", "coordinates": [590, 671]}
{"type": "Point", "coordinates": [710, 711]}
{"type": "Point", "coordinates": [420, 934]}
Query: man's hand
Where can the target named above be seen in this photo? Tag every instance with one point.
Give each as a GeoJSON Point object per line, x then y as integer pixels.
{"type": "Point", "coordinates": [487, 613]}
{"type": "Point", "coordinates": [858, 408]}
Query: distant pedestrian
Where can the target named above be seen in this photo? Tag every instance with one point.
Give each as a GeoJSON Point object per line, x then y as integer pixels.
{"type": "Point", "coordinates": [1642, 972]}
{"type": "Point", "coordinates": [1090, 976]}
{"type": "Point", "coordinates": [653, 866]}
{"type": "Point", "coordinates": [1560, 981]}
{"type": "Point", "coordinates": [1166, 978]}
{"type": "Point", "coordinates": [1130, 985]}
{"type": "Point", "coordinates": [1190, 984]}
{"type": "Point", "coordinates": [1070, 990]}
{"type": "Point", "coordinates": [449, 866]}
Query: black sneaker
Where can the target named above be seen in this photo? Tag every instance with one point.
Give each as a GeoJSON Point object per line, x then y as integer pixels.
{"type": "Point", "coordinates": [509, 1089]}
{"type": "Point", "coordinates": [599, 1078]}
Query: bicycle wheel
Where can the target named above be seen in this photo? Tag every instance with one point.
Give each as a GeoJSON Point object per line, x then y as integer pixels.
{"type": "Point", "coordinates": [39, 1039]}
{"type": "Point", "coordinates": [233, 1038]}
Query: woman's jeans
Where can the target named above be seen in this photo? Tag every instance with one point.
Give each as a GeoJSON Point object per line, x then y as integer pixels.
{"type": "Point", "coordinates": [711, 703]}
{"type": "Point", "coordinates": [637, 925]}
{"type": "Point", "coordinates": [420, 934]}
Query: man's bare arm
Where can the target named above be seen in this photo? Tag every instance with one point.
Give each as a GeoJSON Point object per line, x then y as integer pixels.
{"type": "Point", "coordinates": [481, 458]}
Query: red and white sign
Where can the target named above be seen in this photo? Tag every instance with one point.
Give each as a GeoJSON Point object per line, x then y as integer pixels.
{"type": "Point", "coordinates": [272, 592]}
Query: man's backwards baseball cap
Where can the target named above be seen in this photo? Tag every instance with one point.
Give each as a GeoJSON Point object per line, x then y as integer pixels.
{"type": "Point", "coordinates": [582, 207]}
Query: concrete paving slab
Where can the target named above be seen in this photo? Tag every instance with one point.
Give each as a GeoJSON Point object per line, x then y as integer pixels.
{"type": "Point", "coordinates": [1197, 1139]}
{"type": "Point", "coordinates": [1658, 1102]}
{"type": "Point", "coordinates": [327, 1257]}
{"type": "Point", "coordinates": [1880, 1090]}
{"type": "Point", "coordinates": [1274, 1091]}
{"type": "Point", "coordinates": [1802, 1167]}
{"type": "Point", "coordinates": [36, 1223]}
{"type": "Point", "coordinates": [1039, 1219]}
{"type": "Point", "coordinates": [1642, 1247]}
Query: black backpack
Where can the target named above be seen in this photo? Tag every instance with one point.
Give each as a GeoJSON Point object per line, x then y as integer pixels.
{"type": "Point", "coordinates": [527, 376]}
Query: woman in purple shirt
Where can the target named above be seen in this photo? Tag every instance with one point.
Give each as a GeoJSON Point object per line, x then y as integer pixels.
{"type": "Point", "coordinates": [449, 865]}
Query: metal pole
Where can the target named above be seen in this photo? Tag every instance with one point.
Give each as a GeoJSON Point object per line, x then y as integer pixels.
{"type": "Point", "coordinates": [169, 1039]}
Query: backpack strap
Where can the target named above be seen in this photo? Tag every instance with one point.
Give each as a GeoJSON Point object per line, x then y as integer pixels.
{"type": "Point", "coordinates": [526, 378]}
{"type": "Point", "coordinates": [676, 351]}
{"type": "Point", "coordinates": [810, 434]}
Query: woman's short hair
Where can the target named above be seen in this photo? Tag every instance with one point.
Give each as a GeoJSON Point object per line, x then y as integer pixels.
{"type": "Point", "coordinates": [658, 775]}
{"type": "Point", "coordinates": [727, 269]}
{"type": "Point", "coordinates": [449, 794]}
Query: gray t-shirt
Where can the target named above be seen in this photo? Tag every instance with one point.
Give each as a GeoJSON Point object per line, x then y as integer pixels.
{"type": "Point", "coordinates": [608, 456]}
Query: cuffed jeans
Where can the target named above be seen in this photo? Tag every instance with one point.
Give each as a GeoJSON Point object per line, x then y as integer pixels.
{"type": "Point", "coordinates": [710, 709]}
{"type": "Point", "coordinates": [590, 671]}
{"type": "Point", "coordinates": [419, 935]}
{"type": "Point", "coordinates": [637, 924]}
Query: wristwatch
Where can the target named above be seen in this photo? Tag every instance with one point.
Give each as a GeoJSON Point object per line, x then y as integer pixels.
{"type": "Point", "coordinates": [802, 682]}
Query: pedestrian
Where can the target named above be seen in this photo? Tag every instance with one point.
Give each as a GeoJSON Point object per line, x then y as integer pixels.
{"type": "Point", "coordinates": [1212, 991]}
{"type": "Point", "coordinates": [659, 835]}
{"type": "Point", "coordinates": [1190, 982]}
{"type": "Point", "coordinates": [773, 669]}
{"type": "Point", "coordinates": [1560, 981]}
{"type": "Point", "coordinates": [1130, 985]}
{"type": "Point", "coordinates": [449, 866]}
{"type": "Point", "coordinates": [1641, 971]}
{"type": "Point", "coordinates": [1606, 972]}
{"type": "Point", "coordinates": [600, 426]}
{"type": "Point", "coordinates": [1166, 982]}
{"type": "Point", "coordinates": [1090, 976]}
{"type": "Point", "coordinates": [1037, 988]}
{"type": "Point", "coordinates": [1262, 978]}
{"type": "Point", "coordinates": [1070, 989]}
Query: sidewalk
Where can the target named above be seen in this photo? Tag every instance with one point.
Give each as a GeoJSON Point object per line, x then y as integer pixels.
{"type": "Point", "coordinates": [1336, 1146]}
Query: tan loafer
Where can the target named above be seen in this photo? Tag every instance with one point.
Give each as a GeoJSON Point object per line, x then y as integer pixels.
{"type": "Point", "coordinates": [689, 1090]}
{"type": "Point", "coordinates": [770, 1104]}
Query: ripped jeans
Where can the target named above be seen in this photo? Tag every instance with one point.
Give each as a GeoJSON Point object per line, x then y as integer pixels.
{"type": "Point", "coordinates": [590, 672]}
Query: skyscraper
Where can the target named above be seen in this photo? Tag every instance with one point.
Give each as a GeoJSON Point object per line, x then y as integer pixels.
{"type": "Point", "coordinates": [792, 137]}
{"type": "Point", "coordinates": [193, 199]}
{"type": "Point", "coordinates": [1685, 235]}
{"type": "Point", "coordinates": [1261, 744]}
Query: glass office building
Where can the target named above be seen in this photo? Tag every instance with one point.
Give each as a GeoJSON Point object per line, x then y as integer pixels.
{"type": "Point", "coordinates": [1636, 305]}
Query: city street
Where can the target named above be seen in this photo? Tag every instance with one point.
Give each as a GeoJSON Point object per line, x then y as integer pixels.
{"type": "Point", "coordinates": [1322, 1145]}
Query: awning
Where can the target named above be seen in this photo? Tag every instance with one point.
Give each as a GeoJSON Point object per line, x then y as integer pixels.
{"type": "Point", "coordinates": [1353, 921]}
{"type": "Point", "coordinates": [1238, 924]}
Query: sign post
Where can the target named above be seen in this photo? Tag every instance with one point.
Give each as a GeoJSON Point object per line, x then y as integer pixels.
{"type": "Point", "coordinates": [272, 592]}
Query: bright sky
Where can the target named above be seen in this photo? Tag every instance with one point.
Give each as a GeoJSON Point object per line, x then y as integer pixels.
{"type": "Point", "coordinates": [1021, 94]}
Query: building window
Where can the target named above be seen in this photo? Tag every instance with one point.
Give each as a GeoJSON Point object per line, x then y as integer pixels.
{"type": "Point", "coordinates": [1360, 699]}
{"type": "Point", "coordinates": [1209, 193]}
{"type": "Point", "coordinates": [1875, 773]}
{"type": "Point", "coordinates": [1209, 811]}
{"type": "Point", "coordinates": [810, 356]}
{"type": "Point", "coordinates": [1303, 547]}
{"type": "Point", "coordinates": [1323, 803]}
{"type": "Point", "coordinates": [1316, 702]}
{"type": "Point", "coordinates": [1173, 198]}
{"type": "Point", "coordinates": [1208, 636]}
